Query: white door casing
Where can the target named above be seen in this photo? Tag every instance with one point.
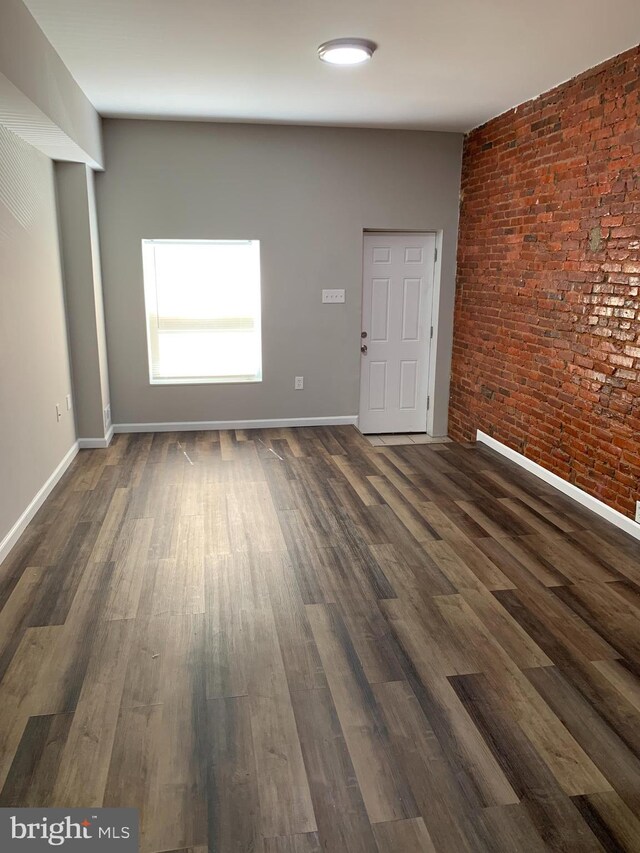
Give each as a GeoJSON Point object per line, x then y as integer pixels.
{"type": "Point", "coordinates": [397, 293]}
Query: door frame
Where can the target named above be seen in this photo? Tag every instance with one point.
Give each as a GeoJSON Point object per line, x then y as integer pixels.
{"type": "Point", "coordinates": [432, 342]}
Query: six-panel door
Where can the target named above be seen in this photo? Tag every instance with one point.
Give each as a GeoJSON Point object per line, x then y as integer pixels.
{"type": "Point", "coordinates": [396, 321]}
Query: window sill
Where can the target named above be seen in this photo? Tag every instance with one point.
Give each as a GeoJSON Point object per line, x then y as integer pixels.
{"type": "Point", "coordinates": [234, 381]}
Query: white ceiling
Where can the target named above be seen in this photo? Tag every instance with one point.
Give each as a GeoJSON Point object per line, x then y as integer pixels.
{"type": "Point", "coordinates": [447, 65]}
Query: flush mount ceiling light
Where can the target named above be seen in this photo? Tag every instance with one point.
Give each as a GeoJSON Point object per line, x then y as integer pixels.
{"type": "Point", "coordinates": [347, 51]}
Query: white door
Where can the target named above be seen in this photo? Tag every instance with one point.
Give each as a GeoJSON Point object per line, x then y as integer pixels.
{"type": "Point", "coordinates": [397, 293]}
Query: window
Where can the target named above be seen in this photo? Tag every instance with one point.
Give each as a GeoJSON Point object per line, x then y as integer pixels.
{"type": "Point", "coordinates": [203, 310]}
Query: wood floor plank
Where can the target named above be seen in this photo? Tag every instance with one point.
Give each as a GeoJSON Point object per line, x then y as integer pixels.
{"type": "Point", "coordinates": [408, 581]}
{"type": "Point", "coordinates": [424, 469]}
{"type": "Point", "coordinates": [111, 526]}
{"type": "Point", "coordinates": [337, 801]}
{"type": "Point", "coordinates": [143, 679]}
{"type": "Point", "coordinates": [488, 572]}
{"type": "Point", "coordinates": [179, 791]}
{"type": "Point", "coordinates": [20, 558]}
{"type": "Point", "coordinates": [563, 555]}
{"type": "Point", "coordinates": [35, 765]}
{"type": "Point", "coordinates": [561, 630]}
{"type": "Point", "coordinates": [385, 791]}
{"type": "Point", "coordinates": [22, 693]}
{"type": "Point", "coordinates": [67, 656]}
{"type": "Point", "coordinates": [84, 763]}
{"type": "Point", "coordinates": [358, 481]}
{"type": "Point", "coordinates": [403, 836]}
{"type": "Point", "coordinates": [187, 587]}
{"type": "Point", "coordinates": [357, 551]}
{"type": "Point", "coordinates": [624, 678]}
{"type": "Point", "coordinates": [305, 558]}
{"type": "Point", "coordinates": [520, 561]}
{"type": "Point", "coordinates": [252, 519]}
{"type": "Point", "coordinates": [230, 604]}
{"type": "Point", "coordinates": [484, 781]}
{"type": "Point", "coordinates": [611, 821]}
{"type": "Point", "coordinates": [226, 445]}
{"type": "Point", "coordinates": [300, 656]}
{"type": "Point", "coordinates": [614, 556]}
{"type": "Point", "coordinates": [52, 549]}
{"type": "Point", "coordinates": [14, 615]}
{"type": "Point", "coordinates": [496, 518]}
{"type": "Point", "coordinates": [613, 707]}
{"type": "Point", "coordinates": [128, 570]}
{"type": "Point", "coordinates": [515, 641]}
{"type": "Point", "coordinates": [305, 843]}
{"type": "Point", "coordinates": [553, 814]}
{"type": "Point", "coordinates": [283, 788]}
{"type": "Point", "coordinates": [212, 502]}
{"type": "Point", "coordinates": [133, 770]}
{"type": "Point", "coordinates": [420, 529]}
{"type": "Point", "coordinates": [452, 820]}
{"type": "Point", "coordinates": [453, 566]}
{"type": "Point", "coordinates": [357, 511]}
{"type": "Point", "coordinates": [163, 539]}
{"type": "Point", "coordinates": [357, 603]}
{"type": "Point", "coordinates": [571, 766]}
{"type": "Point", "coordinates": [180, 580]}
{"type": "Point", "coordinates": [511, 828]}
{"type": "Point", "coordinates": [54, 596]}
{"type": "Point", "coordinates": [234, 817]}
{"type": "Point", "coordinates": [600, 607]}
{"type": "Point", "coordinates": [629, 591]}
{"type": "Point", "coordinates": [539, 522]}
{"type": "Point", "coordinates": [600, 741]}
{"type": "Point", "coordinates": [525, 497]}
{"type": "Point", "coordinates": [395, 470]}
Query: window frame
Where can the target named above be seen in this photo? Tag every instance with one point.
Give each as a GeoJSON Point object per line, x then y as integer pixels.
{"type": "Point", "coordinates": [150, 295]}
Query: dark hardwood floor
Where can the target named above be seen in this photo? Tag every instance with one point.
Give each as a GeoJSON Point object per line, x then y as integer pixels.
{"type": "Point", "coordinates": [289, 641]}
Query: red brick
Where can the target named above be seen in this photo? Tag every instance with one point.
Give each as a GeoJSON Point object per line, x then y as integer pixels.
{"type": "Point", "coordinates": [547, 312]}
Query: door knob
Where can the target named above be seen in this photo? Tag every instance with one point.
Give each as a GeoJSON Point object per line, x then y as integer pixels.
{"type": "Point", "coordinates": [363, 349]}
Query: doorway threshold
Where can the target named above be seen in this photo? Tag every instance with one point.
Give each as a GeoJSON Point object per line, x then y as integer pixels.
{"type": "Point", "coordinates": [391, 439]}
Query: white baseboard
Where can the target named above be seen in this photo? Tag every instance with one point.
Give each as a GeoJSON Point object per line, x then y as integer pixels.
{"type": "Point", "coordinates": [195, 426]}
{"type": "Point", "coordinates": [579, 495]}
{"type": "Point", "coordinates": [90, 443]}
{"type": "Point", "coordinates": [18, 528]}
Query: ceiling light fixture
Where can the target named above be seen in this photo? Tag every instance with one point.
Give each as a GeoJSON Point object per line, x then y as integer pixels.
{"type": "Point", "coordinates": [347, 51]}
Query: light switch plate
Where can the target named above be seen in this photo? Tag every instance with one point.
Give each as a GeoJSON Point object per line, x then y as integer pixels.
{"type": "Point", "coordinates": [333, 295]}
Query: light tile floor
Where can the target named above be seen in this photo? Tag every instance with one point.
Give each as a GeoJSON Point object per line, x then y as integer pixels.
{"type": "Point", "coordinates": [396, 438]}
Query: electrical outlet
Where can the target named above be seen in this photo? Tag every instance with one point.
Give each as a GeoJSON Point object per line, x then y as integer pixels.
{"type": "Point", "coordinates": [107, 416]}
{"type": "Point", "coordinates": [299, 383]}
{"type": "Point", "coordinates": [58, 412]}
{"type": "Point", "coordinates": [68, 402]}
{"type": "Point", "coordinates": [638, 511]}
{"type": "Point", "coordinates": [333, 295]}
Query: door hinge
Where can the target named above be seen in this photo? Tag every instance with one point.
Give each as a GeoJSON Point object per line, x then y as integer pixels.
{"type": "Point", "coordinates": [431, 332]}
{"type": "Point", "coordinates": [428, 403]}
{"type": "Point", "coordinates": [435, 254]}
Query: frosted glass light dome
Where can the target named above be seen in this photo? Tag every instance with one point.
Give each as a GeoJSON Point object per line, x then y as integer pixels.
{"type": "Point", "coordinates": [346, 51]}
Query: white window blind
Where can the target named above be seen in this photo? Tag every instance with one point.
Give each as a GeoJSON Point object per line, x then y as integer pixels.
{"type": "Point", "coordinates": [203, 310]}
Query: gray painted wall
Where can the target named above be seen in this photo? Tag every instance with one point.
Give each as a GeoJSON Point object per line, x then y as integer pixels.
{"type": "Point", "coordinates": [39, 99]}
{"type": "Point", "coordinates": [307, 193]}
{"type": "Point", "coordinates": [34, 363]}
{"type": "Point", "coordinates": [83, 290]}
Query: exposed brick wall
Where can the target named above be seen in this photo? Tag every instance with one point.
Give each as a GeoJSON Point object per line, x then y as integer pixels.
{"type": "Point", "coordinates": [546, 354]}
